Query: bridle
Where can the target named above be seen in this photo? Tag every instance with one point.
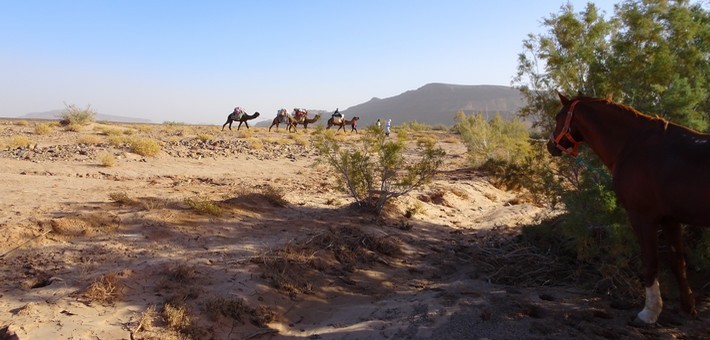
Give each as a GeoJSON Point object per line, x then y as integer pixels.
{"type": "Point", "coordinates": [565, 132]}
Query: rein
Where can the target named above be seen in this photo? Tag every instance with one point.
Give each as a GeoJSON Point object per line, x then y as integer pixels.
{"type": "Point", "coordinates": [565, 132]}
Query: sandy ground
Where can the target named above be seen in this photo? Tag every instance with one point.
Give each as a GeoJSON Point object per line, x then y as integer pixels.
{"type": "Point", "coordinates": [95, 252]}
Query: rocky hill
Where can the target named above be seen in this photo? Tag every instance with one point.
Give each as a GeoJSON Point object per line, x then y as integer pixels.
{"type": "Point", "coordinates": [438, 103]}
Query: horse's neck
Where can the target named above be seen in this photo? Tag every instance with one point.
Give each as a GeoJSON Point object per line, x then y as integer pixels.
{"type": "Point", "coordinates": [609, 130]}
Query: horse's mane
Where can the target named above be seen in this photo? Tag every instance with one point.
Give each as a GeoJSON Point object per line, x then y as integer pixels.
{"type": "Point", "coordinates": [625, 108]}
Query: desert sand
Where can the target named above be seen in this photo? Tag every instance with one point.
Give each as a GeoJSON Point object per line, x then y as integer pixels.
{"type": "Point", "coordinates": [89, 251]}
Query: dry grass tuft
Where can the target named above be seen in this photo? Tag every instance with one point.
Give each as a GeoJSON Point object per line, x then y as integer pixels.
{"type": "Point", "coordinates": [121, 198]}
{"type": "Point", "coordinates": [178, 318]}
{"type": "Point", "coordinates": [204, 206]}
{"type": "Point", "coordinates": [109, 131]}
{"type": "Point", "coordinates": [43, 129]}
{"type": "Point", "coordinates": [89, 140]}
{"type": "Point", "coordinates": [255, 143]}
{"type": "Point", "coordinates": [180, 273]}
{"type": "Point", "coordinates": [145, 322]}
{"type": "Point", "coordinates": [16, 142]}
{"type": "Point", "coordinates": [144, 146]}
{"type": "Point", "coordinates": [237, 309]}
{"type": "Point", "coordinates": [85, 225]}
{"type": "Point", "coordinates": [299, 140]}
{"type": "Point", "coordinates": [106, 159]}
{"type": "Point", "coordinates": [104, 290]}
{"type": "Point", "coordinates": [205, 137]}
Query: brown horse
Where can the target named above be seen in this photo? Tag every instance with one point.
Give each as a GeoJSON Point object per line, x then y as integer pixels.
{"type": "Point", "coordinates": [234, 116]}
{"type": "Point", "coordinates": [660, 176]}
{"type": "Point", "coordinates": [343, 123]}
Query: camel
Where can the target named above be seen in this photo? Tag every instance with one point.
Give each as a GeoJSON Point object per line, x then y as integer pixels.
{"type": "Point", "coordinates": [292, 122]}
{"type": "Point", "coordinates": [233, 117]}
{"type": "Point", "coordinates": [277, 120]}
{"type": "Point", "coordinates": [307, 121]}
{"type": "Point", "coordinates": [343, 123]}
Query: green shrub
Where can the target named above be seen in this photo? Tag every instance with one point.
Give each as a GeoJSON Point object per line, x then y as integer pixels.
{"type": "Point", "coordinates": [376, 170]}
{"type": "Point", "coordinates": [75, 116]}
{"type": "Point", "coordinates": [497, 139]}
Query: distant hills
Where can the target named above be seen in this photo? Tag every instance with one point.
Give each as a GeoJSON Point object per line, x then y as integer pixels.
{"type": "Point", "coordinates": [435, 104]}
{"type": "Point", "coordinates": [54, 114]}
{"type": "Point", "coordinates": [438, 103]}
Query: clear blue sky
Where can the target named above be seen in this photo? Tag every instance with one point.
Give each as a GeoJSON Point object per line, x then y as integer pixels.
{"type": "Point", "coordinates": [194, 61]}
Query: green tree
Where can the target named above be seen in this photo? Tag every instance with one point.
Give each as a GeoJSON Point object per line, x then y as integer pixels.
{"type": "Point", "coordinates": [659, 60]}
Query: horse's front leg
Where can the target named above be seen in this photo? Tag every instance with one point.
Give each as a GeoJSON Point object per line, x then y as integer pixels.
{"type": "Point", "coordinates": [645, 229]}
{"type": "Point", "coordinates": [673, 233]}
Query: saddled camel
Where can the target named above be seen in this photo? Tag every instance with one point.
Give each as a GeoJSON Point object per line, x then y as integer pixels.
{"type": "Point", "coordinates": [343, 123]}
{"type": "Point", "coordinates": [293, 122]}
{"type": "Point", "coordinates": [234, 117]}
{"type": "Point", "coordinates": [282, 115]}
{"type": "Point", "coordinates": [307, 121]}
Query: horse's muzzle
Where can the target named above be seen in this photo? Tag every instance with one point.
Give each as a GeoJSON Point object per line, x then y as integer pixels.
{"type": "Point", "coordinates": [553, 149]}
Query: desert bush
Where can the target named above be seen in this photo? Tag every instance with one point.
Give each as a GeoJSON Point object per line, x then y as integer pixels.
{"type": "Point", "coordinates": [146, 320]}
{"type": "Point", "coordinates": [108, 131]}
{"type": "Point", "coordinates": [118, 140]}
{"type": "Point", "coordinates": [178, 318]}
{"type": "Point", "coordinates": [144, 146]}
{"type": "Point", "coordinates": [43, 129]}
{"type": "Point", "coordinates": [205, 137]}
{"type": "Point", "coordinates": [75, 116]}
{"type": "Point", "coordinates": [299, 140]}
{"type": "Point", "coordinates": [89, 139]}
{"type": "Point", "coordinates": [22, 123]}
{"type": "Point", "coordinates": [203, 206]}
{"type": "Point", "coordinates": [106, 159]}
{"type": "Point", "coordinates": [17, 142]}
{"type": "Point", "coordinates": [377, 170]}
{"type": "Point", "coordinates": [255, 143]}
{"type": "Point", "coordinates": [496, 139]}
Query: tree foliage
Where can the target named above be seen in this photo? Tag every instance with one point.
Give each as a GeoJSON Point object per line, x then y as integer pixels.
{"type": "Point", "coordinates": [652, 55]}
{"type": "Point", "coordinates": [377, 170]}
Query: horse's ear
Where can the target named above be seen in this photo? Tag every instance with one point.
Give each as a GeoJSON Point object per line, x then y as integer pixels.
{"type": "Point", "coordinates": [563, 99]}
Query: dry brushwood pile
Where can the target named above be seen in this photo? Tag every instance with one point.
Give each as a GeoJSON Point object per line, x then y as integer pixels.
{"type": "Point", "coordinates": [120, 231]}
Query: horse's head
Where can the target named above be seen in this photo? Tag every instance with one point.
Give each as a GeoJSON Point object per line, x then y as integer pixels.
{"type": "Point", "coordinates": [564, 138]}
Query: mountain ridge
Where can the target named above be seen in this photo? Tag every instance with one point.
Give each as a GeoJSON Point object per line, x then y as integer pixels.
{"type": "Point", "coordinates": [437, 103]}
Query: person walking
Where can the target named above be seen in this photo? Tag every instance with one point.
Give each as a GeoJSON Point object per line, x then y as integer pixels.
{"type": "Point", "coordinates": [378, 124]}
{"type": "Point", "coordinates": [388, 125]}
